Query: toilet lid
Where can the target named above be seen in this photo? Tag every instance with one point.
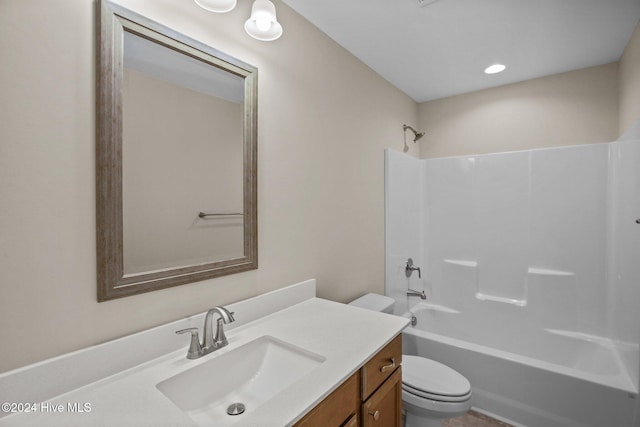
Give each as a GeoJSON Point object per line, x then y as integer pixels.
{"type": "Point", "coordinates": [421, 375]}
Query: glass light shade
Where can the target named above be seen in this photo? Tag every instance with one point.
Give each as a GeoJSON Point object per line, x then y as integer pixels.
{"type": "Point", "coordinates": [263, 25]}
{"type": "Point", "coordinates": [218, 6]}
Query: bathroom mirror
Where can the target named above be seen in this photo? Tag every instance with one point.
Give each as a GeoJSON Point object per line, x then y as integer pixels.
{"type": "Point", "coordinates": [176, 158]}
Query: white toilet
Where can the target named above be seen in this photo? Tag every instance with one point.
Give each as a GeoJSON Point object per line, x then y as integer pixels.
{"type": "Point", "coordinates": [431, 391]}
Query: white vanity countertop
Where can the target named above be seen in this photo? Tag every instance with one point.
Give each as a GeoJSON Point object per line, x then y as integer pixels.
{"type": "Point", "coordinates": [345, 336]}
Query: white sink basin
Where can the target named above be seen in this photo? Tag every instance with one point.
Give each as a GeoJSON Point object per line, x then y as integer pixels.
{"type": "Point", "coordinates": [250, 374]}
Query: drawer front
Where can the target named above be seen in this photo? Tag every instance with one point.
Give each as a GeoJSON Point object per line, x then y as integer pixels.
{"type": "Point", "coordinates": [352, 422]}
{"type": "Point", "coordinates": [381, 366]}
{"type": "Point", "coordinates": [384, 407]}
{"type": "Point", "coordinates": [336, 408]}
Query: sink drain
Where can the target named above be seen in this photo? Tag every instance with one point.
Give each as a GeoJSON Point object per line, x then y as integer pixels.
{"type": "Point", "coordinates": [235, 408]}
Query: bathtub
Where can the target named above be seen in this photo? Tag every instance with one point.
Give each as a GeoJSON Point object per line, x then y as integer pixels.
{"type": "Point", "coordinates": [534, 378]}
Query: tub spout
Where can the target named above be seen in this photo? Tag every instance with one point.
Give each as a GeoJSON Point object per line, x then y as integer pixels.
{"type": "Point", "coordinates": [413, 293]}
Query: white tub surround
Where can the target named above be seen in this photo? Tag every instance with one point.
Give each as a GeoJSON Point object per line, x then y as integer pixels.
{"type": "Point", "coordinates": [125, 393]}
{"type": "Point", "coordinates": [530, 266]}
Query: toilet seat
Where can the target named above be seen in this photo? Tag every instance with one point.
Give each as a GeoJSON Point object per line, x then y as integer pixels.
{"type": "Point", "coordinates": [432, 380]}
{"type": "Point", "coordinates": [436, 397]}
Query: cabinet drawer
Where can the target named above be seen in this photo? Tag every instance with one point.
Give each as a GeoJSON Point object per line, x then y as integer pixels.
{"type": "Point", "coordinates": [381, 366]}
{"type": "Point", "coordinates": [352, 422]}
{"type": "Point", "coordinates": [384, 407]}
{"type": "Point", "coordinates": [336, 408]}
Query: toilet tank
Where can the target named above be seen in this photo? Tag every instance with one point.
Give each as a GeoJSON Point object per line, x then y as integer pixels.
{"type": "Point", "coordinates": [375, 302]}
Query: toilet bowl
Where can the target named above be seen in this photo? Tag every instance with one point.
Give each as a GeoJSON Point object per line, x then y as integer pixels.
{"type": "Point", "coordinates": [431, 391]}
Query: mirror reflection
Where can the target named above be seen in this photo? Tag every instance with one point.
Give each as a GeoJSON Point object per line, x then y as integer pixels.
{"type": "Point", "coordinates": [182, 156]}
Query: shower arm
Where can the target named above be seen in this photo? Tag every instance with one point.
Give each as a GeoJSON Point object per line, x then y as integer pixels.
{"type": "Point", "coordinates": [417, 135]}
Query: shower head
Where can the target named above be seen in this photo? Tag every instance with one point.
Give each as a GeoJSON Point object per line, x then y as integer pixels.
{"type": "Point", "coordinates": [417, 135]}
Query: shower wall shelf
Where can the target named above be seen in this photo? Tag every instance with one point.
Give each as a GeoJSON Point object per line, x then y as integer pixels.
{"type": "Point", "coordinates": [548, 272]}
{"type": "Point", "coordinates": [505, 300]}
{"type": "Point", "coordinates": [489, 296]}
{"type": "Point", "coordinates": [462, 263]}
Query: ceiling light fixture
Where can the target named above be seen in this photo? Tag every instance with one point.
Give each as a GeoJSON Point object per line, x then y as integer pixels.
{"type": "Point", "coordinates": [262, 25]}
{"type": "Point", "coordinates": [217, 6]}
{"type": "Point", "coordinates": [495, 68]}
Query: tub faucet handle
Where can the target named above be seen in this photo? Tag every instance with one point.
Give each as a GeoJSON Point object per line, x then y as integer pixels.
{"type": "Point", "coordinates": [409, 268]}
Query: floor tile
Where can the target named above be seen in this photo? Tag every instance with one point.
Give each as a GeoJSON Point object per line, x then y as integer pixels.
{"type": "Point", "coordinates": [474, 419]}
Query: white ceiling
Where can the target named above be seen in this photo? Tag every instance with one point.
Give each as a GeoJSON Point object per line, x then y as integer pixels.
{"type": "Point", "coordinates": [432, 49]}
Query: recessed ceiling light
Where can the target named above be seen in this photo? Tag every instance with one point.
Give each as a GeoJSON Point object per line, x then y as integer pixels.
{"type": "Point", "coordinates": [495, 68]}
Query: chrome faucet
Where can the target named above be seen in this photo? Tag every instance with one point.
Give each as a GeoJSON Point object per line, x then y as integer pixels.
{"type": "Point", "coordinates": [414, 293]}
{"type": "Point", "coordinates": [210, 343]}
{"type": "Point", "coordinates": [220, 340]}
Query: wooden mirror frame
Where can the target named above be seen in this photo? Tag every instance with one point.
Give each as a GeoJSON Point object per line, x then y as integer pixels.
{"type": "Point", "coordinates": [113, 21]}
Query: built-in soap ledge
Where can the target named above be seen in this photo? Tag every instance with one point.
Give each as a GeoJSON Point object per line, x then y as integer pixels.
{"type": "Point", "coordinates": [496, 298]}
{"type": "Point", "coordinates": [548, 272]}
{"type": "Point", "coordinates": [462, 263]}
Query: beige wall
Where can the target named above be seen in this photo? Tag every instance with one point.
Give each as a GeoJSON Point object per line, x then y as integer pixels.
{"type": "Point", "coordinates": [630, 83]}
{"type": "Point", "coordinates": [577, 107]}
{"type": "Point", "coordinates": [324, 120]}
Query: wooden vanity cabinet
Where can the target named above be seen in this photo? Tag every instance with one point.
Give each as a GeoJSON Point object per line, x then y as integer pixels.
{"type": "Point", "coordinates": [384, 407]}
{"type": "Point", "coordinates": [381, 388]}
{"type": "Point", "coordinates": [338, 409]}
{"type": "Point", "coordinates": [370, 397]}
{"type": "Point", "coordinates": [352, 422]}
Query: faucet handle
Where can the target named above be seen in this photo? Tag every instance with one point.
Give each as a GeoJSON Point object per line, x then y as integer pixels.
{"type": "Point", "coordinates": [409, 268]}
{"type": "Point", "coordinates": [195, 349]}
